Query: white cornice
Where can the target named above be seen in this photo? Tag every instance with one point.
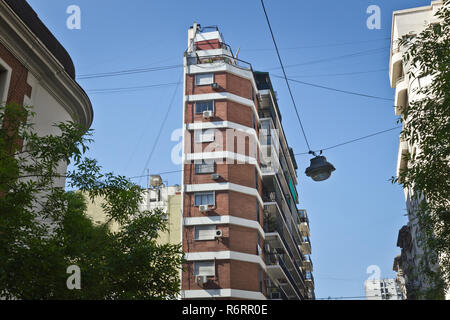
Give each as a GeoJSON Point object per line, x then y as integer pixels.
{"type": "Point", "coordinates": [225, 255]}
{"type": "Point", "coordinates": [222, 67]}
{"type": "Point", "coordinates": [241, 159]}
{"type": "Point", "coordinates": [217, 220]}
{"type": "Point", "coordinates": [222, 293]}
{"type": "Point", "coordinates": [38, 59]}
{"type": "Point", "coordinates": [223, 186]}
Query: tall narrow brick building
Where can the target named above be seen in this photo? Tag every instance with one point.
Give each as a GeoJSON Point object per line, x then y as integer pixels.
{"type": "Point", "coordinates": [242, 233]}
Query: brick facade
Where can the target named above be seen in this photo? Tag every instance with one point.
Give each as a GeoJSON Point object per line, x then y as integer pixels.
{"type": "Point", "coordinates": [18, 86]}
{"type": "Point", "coordinates": [229, 274]}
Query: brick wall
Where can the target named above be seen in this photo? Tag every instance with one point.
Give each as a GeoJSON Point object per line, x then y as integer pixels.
{"type": "Point", "coordinates": [233, 274]}
{"type": "Point", "coordinates": [229, 273]}
{"type": "Point", "coordinates": [241, 174]}
{"type": "Point", "coordinates": [18, 87]}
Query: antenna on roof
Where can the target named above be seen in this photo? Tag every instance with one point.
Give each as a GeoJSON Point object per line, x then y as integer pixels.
{"type": "Point", "coordinates": [237, 53]}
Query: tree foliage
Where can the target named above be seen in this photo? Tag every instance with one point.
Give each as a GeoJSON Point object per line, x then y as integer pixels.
{"type": "Point", "coordinates": [426, 126]}
{"type": "Point", "coordinates": [44, 229]}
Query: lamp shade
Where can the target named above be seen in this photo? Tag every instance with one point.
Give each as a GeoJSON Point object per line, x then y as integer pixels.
{"type": "Point", "coordinates": [320, 169]}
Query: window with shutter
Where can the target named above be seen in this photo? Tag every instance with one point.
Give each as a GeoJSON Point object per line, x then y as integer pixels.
{"type": "Point", "coordinates": [204, 167]}
{"type": "Point", "coordinates": [206, 135]}
{"type": "Point", "coordinates": [205, 232]}
{"type": "Point", "coordinates": [204, 79]}
{"type": "Point", "coordinates": [204, 268]}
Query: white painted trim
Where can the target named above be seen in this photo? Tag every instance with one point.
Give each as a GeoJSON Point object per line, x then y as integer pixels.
{"type": "Point", "coordinates": [225, 255]}
{"type": "Point", "coordinates": [220, 124]}
{"type": "Point", "coordinates": [222, 293]}
{"type": "Point", "coordinates": [223, 186]}
{"type": "Point", "coordinates": [39, 60]}
{"type": "Point", "coordinates": [220, 66]}
{"type": "Point", "coordinates": [220, 96]}
{"type": "Point", "coordinates": [223, 155]}
{"type": "Point", "coordinates": [217, 220]}
{"type": "Point", "coordinates": [8, 71]}
{"type": "Point", "coordinates": [224, 96]}
{"type": "Point", "coordinates": [205, 36]}
{"type": "Point", "coordinates": [223, 124]}
{"type": "Point", "coordinates": [212, 52]}
{"type": "Point", "coordinates": [182, 173]}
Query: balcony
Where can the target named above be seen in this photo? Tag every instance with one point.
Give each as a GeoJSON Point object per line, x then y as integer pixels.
{"type": "Point", "coordinates": [284, 245]}
{"type": "Point", "coordinates": [303, 223]}
{"type": "Point", "coordinates": [395, 65]}
{"type": "Point", "coordinates": [218, 58]}
{"type": "Point", "coordinates": [401, 95]}
{"type": "Point", "coordinates": [401, 157]}
{"type": "Point", "coordinates": [307, 264]}
{"type": "Point", "coordinates": [306, 246]}
{"type": "Point", "coordinates": [275, 221]}
{"type": "Point", "coordinates": [277, 270]}
{"type": "Point", "coordinates": [310, 280]}
{"type": "Point", "coordinates": [304, 229]}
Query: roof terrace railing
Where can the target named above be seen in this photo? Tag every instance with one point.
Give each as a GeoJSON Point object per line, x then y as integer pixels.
{"type": "Point", "coordinates": [224, 58]}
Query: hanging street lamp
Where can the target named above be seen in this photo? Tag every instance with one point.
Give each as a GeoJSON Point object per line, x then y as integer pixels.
{"type": "Point", "coordinates": [320, 169]}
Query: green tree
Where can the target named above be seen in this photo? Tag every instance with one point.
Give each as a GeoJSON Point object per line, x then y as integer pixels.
{"type": "Point", "coordinates": [426, 125]}
{"type": "Point", "coordinates": [44, 229]}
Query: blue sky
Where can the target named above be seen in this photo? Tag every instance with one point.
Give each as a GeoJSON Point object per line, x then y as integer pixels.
{"type": "Point", "coordinates": [356, 214]}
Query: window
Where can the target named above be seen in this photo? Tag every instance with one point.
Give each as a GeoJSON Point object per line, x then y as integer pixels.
{"type": "Point", "coordinates": [204, 79]}
{"type": "Point", "coordinates": [4, 79]}
{"type": "Point", "coordinates": [257, 210]}
{"type": "Point", "coordinates": [205, 135]}
{"type": "Point", "coordinates": [204, 268]}
{"type": "Point", "coordinates": [258, 247]}
{"type": "Point", "coordinates": [204, 198]}
{"type": "Point", "coordinates": [201, 106]}
{"type": "Point", "coordinates": [260, 279]}
{"type": "Point", "coordinates": [205, 232]}
{"type": "Point", "coordinates": [204, 167]}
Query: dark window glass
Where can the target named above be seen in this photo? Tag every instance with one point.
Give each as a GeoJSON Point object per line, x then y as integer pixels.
{"type": "Point", "coordinates": [201, 106]}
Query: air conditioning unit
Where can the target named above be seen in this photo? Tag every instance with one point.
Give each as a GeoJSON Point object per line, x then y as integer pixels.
{"type": "Point", "coordinates": [201, 280]}
{"type": "Point", "coordinates": [218, 234]}
{"type": "Point", "coordinates": [207, 114]}
{"type": "Point", "coordinates": [215, 176]}
{"type": "Point", "coordinates": [203, 208]}
{"type": "Point", "coordinates": [215, 86]}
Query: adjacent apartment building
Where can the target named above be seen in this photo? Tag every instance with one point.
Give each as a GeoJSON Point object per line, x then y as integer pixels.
{"type": "Point", "coordinates": [409, 21]}
{"type": "Point", "coordinates": [242, 233]}
{"type": "Point", "coordinates": [382, 289]}
{"type": "Point", "coordinates": [155, 196]}
{"type": "Point", "coordinates": [36, 70]}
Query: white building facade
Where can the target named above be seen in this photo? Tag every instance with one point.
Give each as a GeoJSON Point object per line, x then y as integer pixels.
{"type": "Point", "coordinates": [36, 71]}
{"type": "Point", "coordinates": [408, 22]}
{"type": "Point", "coordinates": [382, 289]}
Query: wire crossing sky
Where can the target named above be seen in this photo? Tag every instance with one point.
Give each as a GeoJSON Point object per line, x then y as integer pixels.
{"type": "Point", "coordinates": [130, 67]}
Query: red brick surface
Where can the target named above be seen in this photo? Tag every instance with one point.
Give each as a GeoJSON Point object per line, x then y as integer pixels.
{"type": "Point", "coordinates": [229, 273]}
{"type": "Point", "coordinates": [18, 87]}
{"type": "Point", "coordinates": [233, 274]}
